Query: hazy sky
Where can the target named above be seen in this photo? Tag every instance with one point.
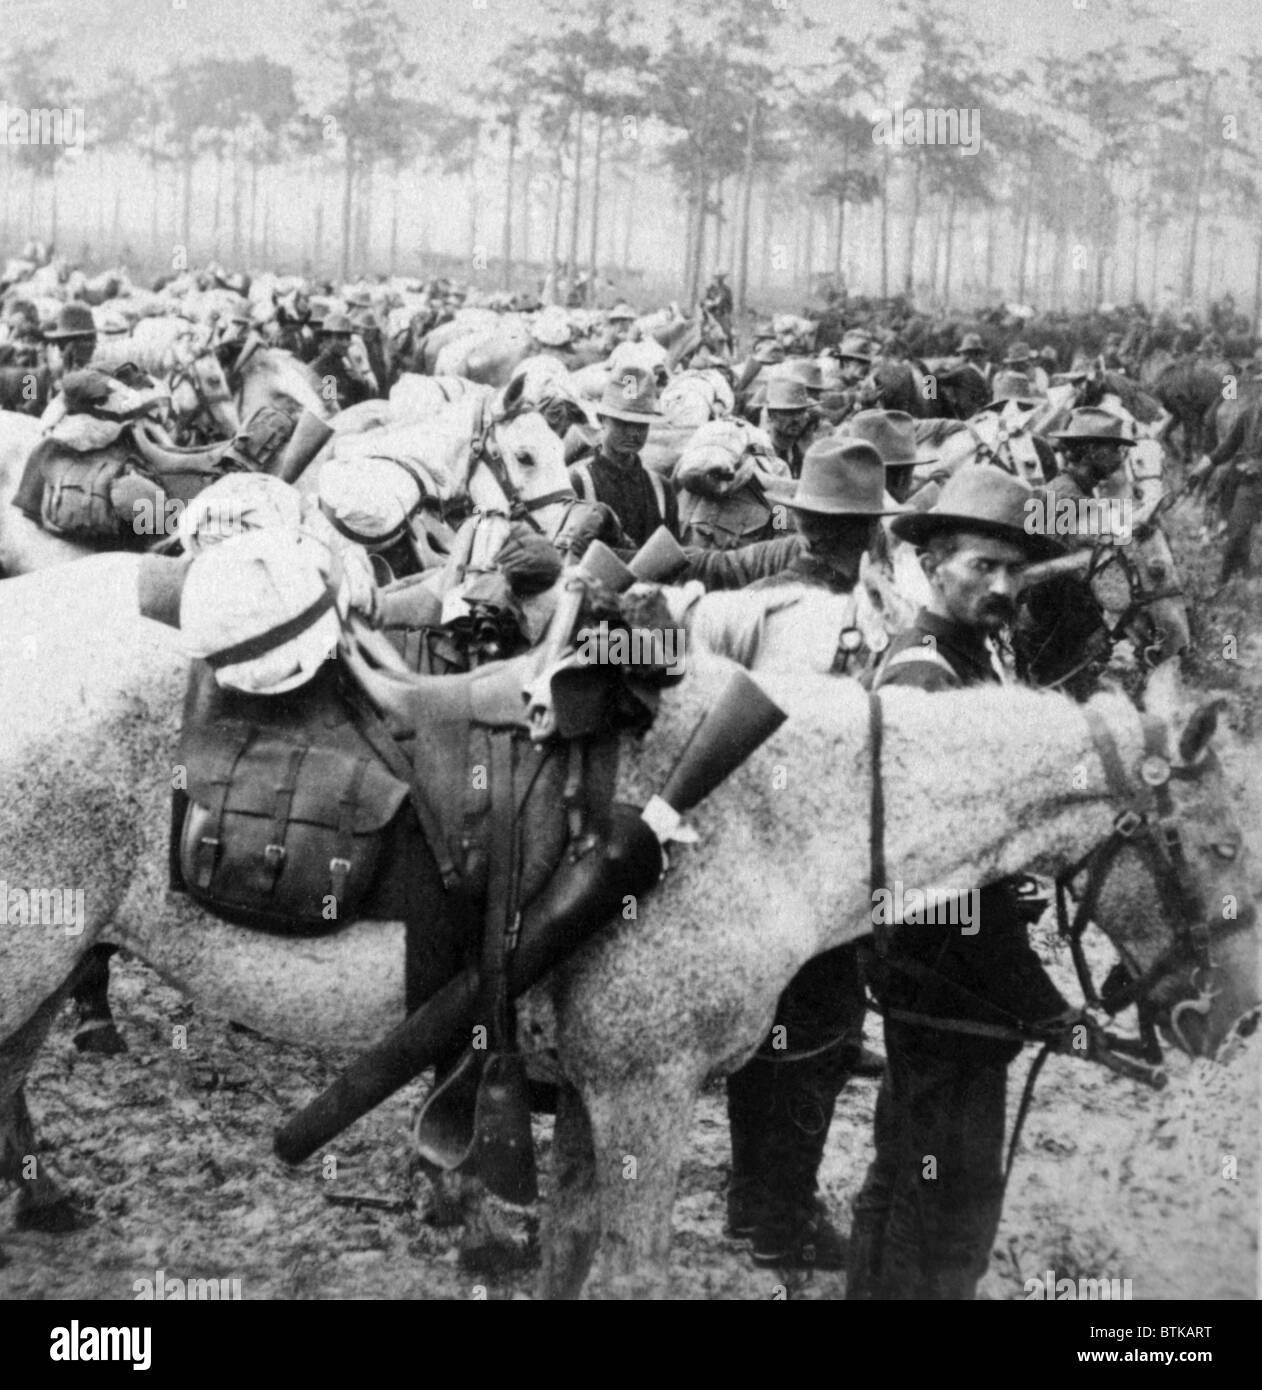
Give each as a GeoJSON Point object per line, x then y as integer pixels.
{"type": "Point", "coordinates": [148, 34]}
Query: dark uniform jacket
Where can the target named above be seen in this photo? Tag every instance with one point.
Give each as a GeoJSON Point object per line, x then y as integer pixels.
{"type": "Point", "coordinates": [640, 502]}
{"type": "Point", "coordinates": [996, 964]}
{"type": "Point", "coordinates": [1244, 440]}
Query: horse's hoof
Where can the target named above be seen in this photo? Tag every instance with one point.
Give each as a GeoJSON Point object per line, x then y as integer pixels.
{"type": "Point", "coordinates": [101, 1037]}
{"type": "Point", "coordinates": [58, 1217]}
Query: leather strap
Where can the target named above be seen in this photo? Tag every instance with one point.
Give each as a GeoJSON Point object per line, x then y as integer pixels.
{"type": "Point", "coordinates": [274, 637]}
{"type": "Point", "coordinates": [876, 819]}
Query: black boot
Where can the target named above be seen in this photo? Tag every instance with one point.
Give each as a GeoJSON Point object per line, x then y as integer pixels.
{"type": "Point", "coordinates": [794, 1230]}
{"type": "Point", "coordinates": [749, 1099]}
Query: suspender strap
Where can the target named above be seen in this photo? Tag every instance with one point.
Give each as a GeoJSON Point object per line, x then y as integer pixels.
{"type": "Point", "coordinates": [876, 831]}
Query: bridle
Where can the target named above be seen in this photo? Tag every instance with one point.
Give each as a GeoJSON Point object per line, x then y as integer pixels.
{"type": "Point", "coordinates": [485, 451]}
{"type": "Point", "coordinates": [186, 374]}
{"type": "Point", "coordinates": [1149, 823]}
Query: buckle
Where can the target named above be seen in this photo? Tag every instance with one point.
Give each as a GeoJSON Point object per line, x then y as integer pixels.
{"type": "Point", "coordinates": [274, 856]}
{"type": "Point", "coordinates": [1127, 824]}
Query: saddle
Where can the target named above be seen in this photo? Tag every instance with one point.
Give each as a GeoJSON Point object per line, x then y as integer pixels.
{"type": "Point", "coordinates": [370, 792]}
{"type": "Point", "coordinates": [81, 493]}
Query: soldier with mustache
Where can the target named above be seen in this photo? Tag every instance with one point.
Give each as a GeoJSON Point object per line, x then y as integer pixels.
{"type": "Point", "coordinates": [920, 1234]}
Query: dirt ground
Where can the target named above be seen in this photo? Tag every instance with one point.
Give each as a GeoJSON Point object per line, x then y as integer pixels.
{"type": "Point", "coordinates": [170, 1150]}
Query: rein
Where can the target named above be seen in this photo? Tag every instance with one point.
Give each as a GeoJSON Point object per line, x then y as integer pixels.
{"type": "Point", "coordinates": [485, 451]}
{"type": "Point", "coordinates": [1149, 822]}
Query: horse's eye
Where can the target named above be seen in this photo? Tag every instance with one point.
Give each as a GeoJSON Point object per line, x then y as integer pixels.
{"type": "Point", "coordinates": [1226, 849]}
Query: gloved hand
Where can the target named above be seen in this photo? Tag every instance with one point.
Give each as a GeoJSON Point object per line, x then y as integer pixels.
{"type": "Point", "coordinates": [588, 522]}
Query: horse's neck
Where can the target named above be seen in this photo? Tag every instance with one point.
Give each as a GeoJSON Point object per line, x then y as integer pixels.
{"type": "Point", "coordinates": [1036, 802]}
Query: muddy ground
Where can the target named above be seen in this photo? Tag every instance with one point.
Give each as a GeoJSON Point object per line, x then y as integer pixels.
{"type": "Point", "coordinates": [169, 1149]}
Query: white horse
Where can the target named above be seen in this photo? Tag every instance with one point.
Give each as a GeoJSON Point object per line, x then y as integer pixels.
{"type": "Point", "coordinates": [650, 1007]}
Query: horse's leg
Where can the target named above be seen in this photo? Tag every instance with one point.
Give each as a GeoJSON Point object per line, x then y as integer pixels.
{"type": "Point", "coordinates": [41, 1205]}
{"type": "Point", "coordinates": [571, 1221]}
{"type": "Point", "coordinates": [639, 1131]}
{"type": "Point", "coordinates": [97, 1031]}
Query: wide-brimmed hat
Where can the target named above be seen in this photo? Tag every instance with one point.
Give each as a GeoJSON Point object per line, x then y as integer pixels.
{"type": "Point", "coordinates": [621, 312]}
{"type": "Point", "coordinates": [1014, 386]}
{"type": "Point", "coordinates": [842, 478]}
{"type": "Point", "coordinates": [981, 498]}
{"type": "Point", "coordinates": [786, 393]}
{"type": "Point", "coordinates": [369, 499]}
{"type": "Point", "coordinates": [631, 395]}
{"type": "Point", "coordinates": [236, 504]}
{"type": "Point", "coordinates": [1019, 352]}
{"type": "Point", "coordinates": [337, 323]}
{"type": "Point", "coordinates": [1089, 426]}
{"type": "Point", "coordinates": [552, 328]}
{"type": "Point", "coordinates": [856, 347]}
{"type": "Point", "coordinates": [971, 342]}
{"type": "Point", "coordinates": [892, 433]}
{"type": "Point", "coordinates": [74, 320]}
{"type": "Point", "coordinates": [806, 370]}
{"type": "Point", "coordinates": [261, 610]}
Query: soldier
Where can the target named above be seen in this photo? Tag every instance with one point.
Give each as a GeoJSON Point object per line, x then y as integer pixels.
{"type": "Point", "coordinates": [717, 302]}
{"type": "Point", "coordinates": [788, 420]}
{"type": "Point", "coordinates": [972, 353]}
{"type": "Point", "coordinates": [1020, 359]}
{"type": "Point", "coordinates": [332, 365]}
{"type": "Point", "coordinates": [780, 1104]}
{"type": "Point", "coordinates": [917, 1236]}
{"type": "Point", "coordinates": [1234, 471]}
{"type": "Point", "coordinates": [641, 499]}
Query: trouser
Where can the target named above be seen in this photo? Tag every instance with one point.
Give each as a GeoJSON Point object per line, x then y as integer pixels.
{"type": "Point", "coordinates": [1244, 513]}
{"type": "Point", "coordinates": [780, 1104]}
{"type": "Point", "coordinates": [928, 1212]}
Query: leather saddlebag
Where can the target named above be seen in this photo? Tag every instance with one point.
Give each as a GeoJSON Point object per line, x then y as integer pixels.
{"type": "Point", "coordinates": [77, 499]}
{"type": "Point", "coordinates": [283, 828]}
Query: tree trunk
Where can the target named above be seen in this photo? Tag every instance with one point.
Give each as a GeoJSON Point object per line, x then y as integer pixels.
{"type": "Point", "coordinates": [251, 250]}
{"type": "Point", "coordinates": [218, 217]}
{"type": "Point", "coordinates": [506, 243]}
{"type": "Point", "coordinates": [236, 199]}
{"type": "Point", "coordinates": [572, 268]}
{"type": "Point", "coordinates": [527, 209]}
{"type": "Point", "coordinates": [885, 222]}
{"type": "Point", "coordinates": [950, 248]}
{"type": "Point", "coordinates": [155, 243]}
{"type": "Point", "coordinates": [1189, 265]}
{"type": "Point", "coordinates": [990, 251]}
{"type": "Point", "coordinates": [629, 221]}
{"type": "Point", "coordinates": [317, 234]}
{"type": "Point", "coordinates": [693, 293]}
{"type": "Point", "coordinates": [593, 258]}
{"type": "Point", "coordinates": [768, 225]}
{"type": "Point", "coordinates": [747, 195]}
{"type": "Point", "coordinates": [909, 274]}
{"type": "Point", "coordinates": [116, 219]}
{"type": "Point", "coordinates": [558, 195]}
{"type": "Point", "coordinates": [394, 222]}
{"type": "Point", "coordinates": [186, 220]}
{"type": "Point", "coordinates": [1024, 244]}
{"type": "Point", "coordinates": [348, 204]}
{"type": "Point", "coordinates": [1137, 243]}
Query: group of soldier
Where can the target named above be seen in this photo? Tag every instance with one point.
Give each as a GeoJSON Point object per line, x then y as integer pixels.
{"type": "Point", "coordinates": [915, 1233]}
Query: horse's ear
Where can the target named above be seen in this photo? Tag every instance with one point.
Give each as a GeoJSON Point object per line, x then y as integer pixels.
{"type": "Point", "coordinates": [1163, 693]}
{"type": "Point", "coordinates": [513, 398]}
{"type": "Point", "coordinates": [1200, 729]}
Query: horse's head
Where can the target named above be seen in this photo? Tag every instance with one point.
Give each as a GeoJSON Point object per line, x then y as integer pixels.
{"type": "Point", "coordinates": [200, 394]}
{"type": "Point", "coordinates": [1171, 885]}
{"type": "Point", "coordinates": [516, 463]}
